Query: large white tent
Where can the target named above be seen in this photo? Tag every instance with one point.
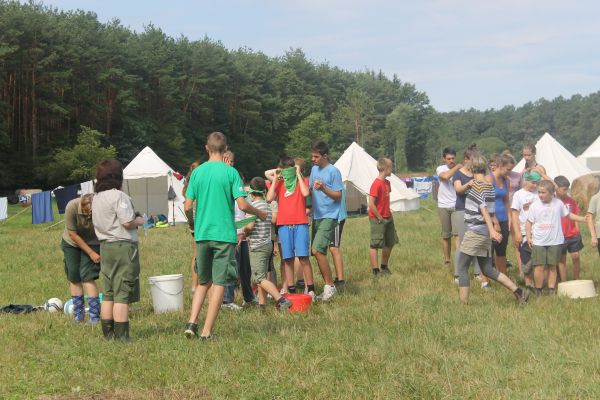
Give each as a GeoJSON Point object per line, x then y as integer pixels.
{"type": "Point", "coordinates": [591, 156]}
{"type": "Point", "coordinates": [556, 159]}
{"type": "Point", "coordinates": [359, 170]}
{"type": "Point", "coordinates": [147, 180]}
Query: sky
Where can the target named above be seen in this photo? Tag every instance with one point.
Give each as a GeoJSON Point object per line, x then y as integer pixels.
{"type": "Point", "coordinates": [464, 54]}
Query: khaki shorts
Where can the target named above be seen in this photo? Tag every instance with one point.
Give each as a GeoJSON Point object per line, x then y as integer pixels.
{"type": "Point", "coordinates": [323, 231]}
{"type": "Point", "coordinates": [546, 255]}
{"type": "Point", "coordinates": [120, 271]}
{"type": "Point", "coordinates": [215, 262]}
{"type": "Point", "coordinates": [79, 267]}
{"type": "Point", "coordinates": [383, 234]}
{"type": "Point", "coordinates": [260, 258]}
{"type": "Point", "coordinates": [448, 222]}
{"type": "Point", "coordinates": [474, 244]}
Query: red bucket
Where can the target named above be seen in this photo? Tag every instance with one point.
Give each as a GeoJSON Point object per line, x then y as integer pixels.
{"type": "Point", "coordinates": [300, 302]}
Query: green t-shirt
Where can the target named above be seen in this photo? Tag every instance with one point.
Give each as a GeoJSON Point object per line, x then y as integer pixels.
{"type": "Point", "coordinates": [215, 186]}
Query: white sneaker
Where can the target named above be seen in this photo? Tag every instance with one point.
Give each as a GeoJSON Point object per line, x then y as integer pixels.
{"type": "Point", "coordinates": [230, 306]}
{"type": "Point", "coordinates": [328, 292]}
{"type": "Point", "coordinates": [456, 280]}
{"type": "Point", "coordinates": [313, 295]}
{"type": "Point", "coordinates": [283, 291]}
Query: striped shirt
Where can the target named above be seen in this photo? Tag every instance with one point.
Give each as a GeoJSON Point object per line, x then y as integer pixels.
{"type": "Point", "coordinates": [261, 233]}
{"type": "Point", "coordinates": [480, 195]}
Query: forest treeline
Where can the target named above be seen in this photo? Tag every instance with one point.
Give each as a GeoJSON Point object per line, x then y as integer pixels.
{"type": "Point", "coordinates": [64, 74]}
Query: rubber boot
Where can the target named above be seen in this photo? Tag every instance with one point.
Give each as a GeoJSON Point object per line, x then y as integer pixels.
{"type": "Point", "coordinates": [78, 308]}
{"type": "Point", "coordinates": [122, 331]}
{"type": "Point", "coordinates": [108, 328]}
{"type": "Point", "coordinates": [94, 303]}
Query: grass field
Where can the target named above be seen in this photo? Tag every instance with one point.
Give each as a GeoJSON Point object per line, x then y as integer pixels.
{"type": "Point", "coordinates": [400, 337]}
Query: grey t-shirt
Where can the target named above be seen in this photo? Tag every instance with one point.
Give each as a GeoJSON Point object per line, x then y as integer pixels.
{"type": "Point", "coordinates": [110, 210]}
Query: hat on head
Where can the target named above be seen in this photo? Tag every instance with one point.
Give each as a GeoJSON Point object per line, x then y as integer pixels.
{"type": "Point", "coordinates": [532, 176]}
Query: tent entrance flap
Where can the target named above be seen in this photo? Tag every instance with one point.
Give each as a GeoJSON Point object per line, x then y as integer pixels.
{"type": "Point", "coordinates": [356, 201]}
{"type": "Point", "coordinates": [148, 195]}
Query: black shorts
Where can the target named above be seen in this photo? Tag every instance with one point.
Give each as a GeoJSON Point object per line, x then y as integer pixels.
{"type": "Point", "coordinates": [525, 253]}
{"type": "Point", "coordinates": [500, 247]}
{"type": "Point", "coordinates": [572, 245]}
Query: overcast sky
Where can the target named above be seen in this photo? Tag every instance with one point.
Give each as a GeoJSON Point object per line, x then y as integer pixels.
{"type": "Point", "coordinates": [463, 54]}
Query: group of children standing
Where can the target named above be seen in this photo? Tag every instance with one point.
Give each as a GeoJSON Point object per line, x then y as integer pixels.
{"type": "Point", "coordinates": [491, 202]}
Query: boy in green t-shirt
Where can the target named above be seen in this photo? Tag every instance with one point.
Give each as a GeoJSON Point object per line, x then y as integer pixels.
{"type": "Point", "coordinates": [214, 186]}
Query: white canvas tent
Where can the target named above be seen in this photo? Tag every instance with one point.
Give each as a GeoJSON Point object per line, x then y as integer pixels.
{"type": "Point", "coordinates": [556, 159]}
{"type": "Point", "coordinates": [591, 156]}
{"type": "Point", "coordinates": [147, 180]}
{"type": "Point", "coordinates": [359, 170]}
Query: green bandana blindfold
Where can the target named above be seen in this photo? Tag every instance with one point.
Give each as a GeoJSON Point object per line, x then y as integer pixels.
{"type": "Point", "coordinates": [289, 179]}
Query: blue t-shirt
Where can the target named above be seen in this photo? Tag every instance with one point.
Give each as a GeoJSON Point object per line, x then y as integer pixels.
{"type": "Point", "coordinates": [324, 206]}
{"type": "Point", "coordinates": [500, 193]}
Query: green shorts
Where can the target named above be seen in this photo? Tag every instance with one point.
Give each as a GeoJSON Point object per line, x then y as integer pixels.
{"type": "Point", "coordinates": [323, 231]}
{"type": "Point", "coordinates": [215, 262]}
{"type": "Point", "coordinates": [383, 234]}
{"type": "Point", "coordinates": [546, 255]}
{"type": "Point", "coordinates": [120, 271]}
{"type": "Point", "coordinates": [79, 267]}
{"type": "Point", "coordinates": [260, 258]}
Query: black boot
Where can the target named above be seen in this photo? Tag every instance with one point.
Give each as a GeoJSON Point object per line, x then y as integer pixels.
{"type": "Point", "coordinates": [108, 328]}
{"type": "Point", "coordinates": [122, 331]}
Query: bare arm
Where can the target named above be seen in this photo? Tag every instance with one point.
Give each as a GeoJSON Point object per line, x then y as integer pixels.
{"type": "Point", "coordinates": [84, 246]}
{"type": "Point", "coordinates": [270, 174]}
{"type": "Point", "coordinates": [528, 226]}
{"type": "Point", "coordinates": [138, 221]}
{"type": "Point", "coordinates": [303, 187]}
{"type": "Point", "coordinates": [271, 192]}
{"type": "Point", "coordinates": [488, 221]}
{"type": "Point", "coordinates": [188, 205]}
{"type": "Point", "coordinates": [373, 208]}
{"type": "Point", "coordinates": [448, 174]}
{"type": "Point", "coordinates": [460, 188]}
{"type": "Point", "coordinates": [249, 209]}
{"type": "Point", "coordinates": [593, 233]}
{"type": "Point", "coordinates": [576, 218]}
{"type": "Point", "coordinates": [516, 228]}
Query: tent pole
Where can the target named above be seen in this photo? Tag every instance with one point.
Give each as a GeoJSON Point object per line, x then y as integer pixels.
{"type": "Point", "coordinates": [147, 210]}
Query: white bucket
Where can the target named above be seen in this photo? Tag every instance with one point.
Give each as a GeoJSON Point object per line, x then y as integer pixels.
{"type": "Point", "coordinates": [167, 292]}
{"type": "Point", "coordinates": [581, 289]}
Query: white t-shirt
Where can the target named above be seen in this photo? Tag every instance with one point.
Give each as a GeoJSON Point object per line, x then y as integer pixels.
{"type": "Point", "coordinates": [546, 220]}
{"type": "Point", "coordinates": [521, 201]}
{"type": "Point", "coordinates": [446, 192]}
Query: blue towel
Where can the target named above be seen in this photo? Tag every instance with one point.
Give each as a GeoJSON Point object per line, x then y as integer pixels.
{"type": "Point", "coordinates": [65, 195]}
{"type": "Point", "coordinates": [41, 208]}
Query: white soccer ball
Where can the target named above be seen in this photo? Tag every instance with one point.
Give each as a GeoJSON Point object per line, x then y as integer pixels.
{"type": "Point", "coordinates": [54, 305]}
{"type": "Point", "coordinates": [68, 309]}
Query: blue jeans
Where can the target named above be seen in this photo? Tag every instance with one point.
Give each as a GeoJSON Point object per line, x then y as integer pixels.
{"type": "Point", "coordinates": [242, 258]}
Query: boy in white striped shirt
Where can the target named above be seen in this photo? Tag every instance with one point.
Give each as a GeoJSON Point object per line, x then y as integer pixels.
{"type": "Point", "coordinates": [261, 247]}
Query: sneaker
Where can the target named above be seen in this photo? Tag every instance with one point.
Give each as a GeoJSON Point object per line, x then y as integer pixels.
{"type": "Point", "coordinates": [385, 271]}
{"type": "Point", "coordinates": [551, 292]}
{"type": "Point", "coordinates": [521, 296]}
{"type": "Point", "coordinates": [191, 330]}
{"type": "Point", "coordinates": [486, 286]}
{"type": "Point", "coordinates": [283, 291]}
{"type": "Point", "coordinates": [205, 338]}
{"type": "Point", "coordinates": [375, 272]}
{"type": "Point", "coordinates": [339, 285]}
{"type": "Point", "coordinates": [230, 306]}
{"type": "Point", "coordinates": [313, 295]}
{"type": "Point", "coordinates": [284, 304]}
{"type": "Point", "coordinates": [252, 303]}
{"type": "Point", "coordinates": [328, 292]}
{"type": "Point", "coordinates": [456, 280]}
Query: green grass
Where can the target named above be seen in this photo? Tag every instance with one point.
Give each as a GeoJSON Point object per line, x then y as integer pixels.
{"type": "Point", "coordinates": [402, 337]}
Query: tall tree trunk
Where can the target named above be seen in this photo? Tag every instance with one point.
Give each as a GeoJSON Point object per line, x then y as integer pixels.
{"type": "Point", "coordinates": [34, 136]}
